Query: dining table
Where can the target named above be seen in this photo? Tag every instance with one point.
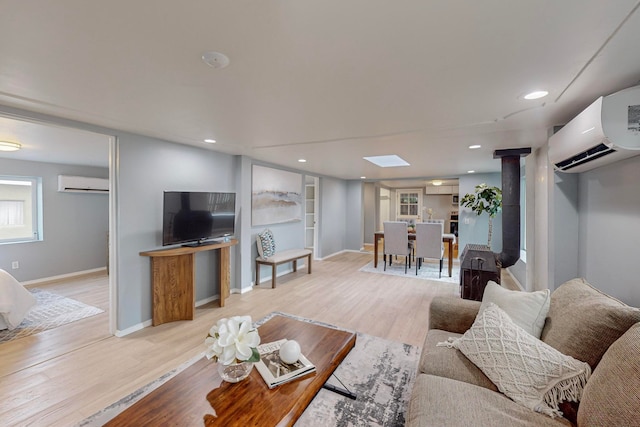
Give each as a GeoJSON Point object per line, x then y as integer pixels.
{"type": "Point", "coordinates": [448, 238]}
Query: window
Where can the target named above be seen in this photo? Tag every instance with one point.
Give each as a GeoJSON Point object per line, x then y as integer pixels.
{"type": "Point", "coordinates": [20, 209]}
{"type": "Point", "coordinates": [409, 203]}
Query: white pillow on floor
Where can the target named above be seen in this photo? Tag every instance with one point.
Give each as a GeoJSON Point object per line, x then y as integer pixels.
{"type": "Point", "coordinates": [15, 301]}
{"type": "Point", "coordinates": [527, 309]}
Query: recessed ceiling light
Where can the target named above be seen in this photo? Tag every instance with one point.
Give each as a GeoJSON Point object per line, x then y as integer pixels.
{"type": "Point", "coordinates": [471, 171]}
{"type": "Point", "coordinates": [215, 59]}
{"type": "Point", "coordinates": [210, 141]}
{"type": "Point", "coordinates": [437, 182]}
{"type": "Point", "coordinates": [474, 147]}
{"type": "Point", "coordinates": [302, 160]}
{"type": "Point", "coordinates": [9, 146]}
{"type": "Point", "coordinates": [387, 161]}
{"type": "Point", "coordinates": [363, 177]}
{"type": "Point", "coordinates": [536, 94]}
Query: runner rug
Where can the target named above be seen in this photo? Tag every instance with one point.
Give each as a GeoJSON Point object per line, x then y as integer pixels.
{"type": "Point", "coordinates": [51, 310]}
{"type": "Point", "coordinates": [428, 271]}
{"type": "Point", "coordinates": [380, 372]}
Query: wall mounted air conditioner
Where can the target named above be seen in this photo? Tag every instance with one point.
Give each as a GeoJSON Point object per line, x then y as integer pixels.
{"type": "Point", "coordinates": [606, 131]}
{"type": "Point", "coordinates": [82, 184]}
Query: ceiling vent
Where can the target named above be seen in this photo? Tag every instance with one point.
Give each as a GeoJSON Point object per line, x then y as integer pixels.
{"type": "Point", "coordinates": [606, 131]}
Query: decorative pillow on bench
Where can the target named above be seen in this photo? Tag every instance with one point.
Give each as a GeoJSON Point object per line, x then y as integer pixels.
{"type": "Point", "coordinates": [524, 368]}
{"type": "Point", "coordinates": [266, 244]}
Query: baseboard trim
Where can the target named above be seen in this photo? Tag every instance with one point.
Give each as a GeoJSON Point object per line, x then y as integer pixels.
{"type": "Point", "coordinates": [301, 266]}
{"type": "Point", "coordinates": [336, 253]}
{"type": "Point", "coordinates": [207, 300]}
{"type": "Point", "coordinates": [77, 274]}
{"type": "Point", "coordinates": [515, 280]}
{"type": "Point", "coordinates": [132, 329]}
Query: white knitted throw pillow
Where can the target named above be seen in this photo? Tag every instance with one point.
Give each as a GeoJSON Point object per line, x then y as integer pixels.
{"type": "Point", "coordinates": [524, 368]}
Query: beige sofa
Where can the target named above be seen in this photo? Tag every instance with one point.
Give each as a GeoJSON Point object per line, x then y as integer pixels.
{"type": "Point", "coordinates": [582, 322]}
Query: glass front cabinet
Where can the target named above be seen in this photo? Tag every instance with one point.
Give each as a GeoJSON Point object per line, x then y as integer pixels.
{"type": "Point", "coordinates": [409, 202]}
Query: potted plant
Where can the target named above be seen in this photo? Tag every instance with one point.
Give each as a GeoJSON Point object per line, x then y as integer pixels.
{"type": "Point", "coordinates": [484, 199]}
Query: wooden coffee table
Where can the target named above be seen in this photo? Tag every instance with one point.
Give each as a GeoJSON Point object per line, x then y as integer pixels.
{"type": "Point", "coordinates": [197, 396]}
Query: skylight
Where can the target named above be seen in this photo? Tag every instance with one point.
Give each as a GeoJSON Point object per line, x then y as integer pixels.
{"type": "Point", "coordinates": [387, 161]}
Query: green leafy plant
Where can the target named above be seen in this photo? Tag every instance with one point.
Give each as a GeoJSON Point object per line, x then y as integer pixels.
{"type": "Point", "coordinates": [484, 199]}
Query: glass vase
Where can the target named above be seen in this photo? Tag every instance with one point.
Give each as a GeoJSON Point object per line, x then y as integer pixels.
{"type": "Point", "coordinates": [235, 372]}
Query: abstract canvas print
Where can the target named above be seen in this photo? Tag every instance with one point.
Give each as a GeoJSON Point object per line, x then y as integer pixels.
{"type": "Point", "coordinates": [276, 196]}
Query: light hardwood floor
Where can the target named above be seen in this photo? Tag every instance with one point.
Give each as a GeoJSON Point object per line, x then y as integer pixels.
{"type": "Point", "coordinates": [61, 376]}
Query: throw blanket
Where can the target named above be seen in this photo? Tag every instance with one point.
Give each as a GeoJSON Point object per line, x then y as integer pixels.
{"type": "Point", "coordinates": [15, 301]}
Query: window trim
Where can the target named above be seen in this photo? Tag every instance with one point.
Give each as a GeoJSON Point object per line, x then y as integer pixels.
{"type": "Point", "coordinates": [36, 209]}
{"type": "Point", "coordinates": [399, 193]}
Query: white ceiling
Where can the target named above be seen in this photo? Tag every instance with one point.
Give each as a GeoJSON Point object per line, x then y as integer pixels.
{"type": "Point", "coordinates": [328, 80]}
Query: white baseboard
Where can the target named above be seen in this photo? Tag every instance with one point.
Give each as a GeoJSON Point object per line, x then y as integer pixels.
{"type": "Point", "coordinates": [515, 280]}
{"type": "Point", "coordinates": [336, 253]}
{"type": "Point", "coordinates": [64, 276]}
{"type": "Point", "coordinates": [149, 322]}
{"type": "Point", "coordinates": [300, 267]}
{"type": "Point", "coordinates": [207, 300]}
{"type": "Point", "coordinates": [242, 290]}
{"type": "Point", "coordinates": [133, 328]}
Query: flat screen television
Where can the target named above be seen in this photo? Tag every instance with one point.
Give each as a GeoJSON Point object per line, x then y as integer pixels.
{"type": "Point", "coordinates": [197, 217]}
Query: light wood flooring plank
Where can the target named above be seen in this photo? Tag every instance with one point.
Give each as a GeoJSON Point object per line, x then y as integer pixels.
{"type": "Point", "coordinates": [59, 377]}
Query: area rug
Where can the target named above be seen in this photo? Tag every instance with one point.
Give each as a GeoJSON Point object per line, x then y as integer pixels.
{"type": "Point", "coordinates": [50, 311]}
{"type": "Point", "coordinates": [380, 372]}
{"type": "Point", "coordinates": [428, 271]}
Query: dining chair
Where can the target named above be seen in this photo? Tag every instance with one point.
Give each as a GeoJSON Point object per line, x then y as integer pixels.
{"type": "Point", "coordinates": [429, 243]}
{"type": "Point", "coordinates": [396, 242]}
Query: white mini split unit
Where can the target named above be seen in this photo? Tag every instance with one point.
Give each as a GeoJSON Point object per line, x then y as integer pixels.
{"type": "Point", "coordinates": [82, 184]}
{"type": "Point", "coordinates": [607, 131]}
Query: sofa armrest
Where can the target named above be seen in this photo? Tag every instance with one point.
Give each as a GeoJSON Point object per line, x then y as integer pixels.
{"type": "Point", "coordinates": [452, 314]}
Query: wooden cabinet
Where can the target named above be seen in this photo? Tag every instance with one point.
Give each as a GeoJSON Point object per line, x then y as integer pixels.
{"type": "Point", "coordinates": [173, 279]}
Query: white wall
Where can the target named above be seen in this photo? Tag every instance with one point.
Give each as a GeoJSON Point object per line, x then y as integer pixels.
{"type": "Point", "coordinates": [369, 211]}
{"type": "Point", "coordinates": [287, 235]}
{"type": "Point", "coordinates": [75, 225]}
{"type": "Point", "coordinates": [333, 217]}
{"type": "Point", "coordinates": [564, 236]}
{"type": "Point", "coordinates": [441, 204]}
{"type": "Point", "coordinates": [146, 168]}
{"type": "Point", "coordinates": [354, 214]}
{"type": "Point", "coordinates": [609, 229]}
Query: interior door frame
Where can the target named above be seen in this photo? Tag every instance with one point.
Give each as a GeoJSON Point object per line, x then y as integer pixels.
{"type": "Point", "coordinates": [112, 267]}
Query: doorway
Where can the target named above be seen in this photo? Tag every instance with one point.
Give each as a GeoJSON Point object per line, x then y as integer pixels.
{"type": "Point", "coordinates": [311, 214]}
{"type": "Point", "coordinates": [84, 222]}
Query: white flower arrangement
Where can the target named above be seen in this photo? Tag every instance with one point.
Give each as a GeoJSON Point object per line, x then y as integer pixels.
{"type": "Point", "coordinates": [233, 340]}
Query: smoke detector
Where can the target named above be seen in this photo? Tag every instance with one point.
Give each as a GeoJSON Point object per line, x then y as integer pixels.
{"type": "Point", "coordinates": [215, 59]}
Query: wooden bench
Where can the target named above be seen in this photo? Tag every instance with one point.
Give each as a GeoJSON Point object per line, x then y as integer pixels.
{"type": "Point", "coordinates": [280, 258]}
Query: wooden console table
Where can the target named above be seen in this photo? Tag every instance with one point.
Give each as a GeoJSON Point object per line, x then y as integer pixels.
{"type": "Point", "coordinates": [173, 279]}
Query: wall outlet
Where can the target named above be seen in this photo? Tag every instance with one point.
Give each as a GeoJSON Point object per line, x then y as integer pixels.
{"type": "Point", "coordinates": [15, 265]}
{"type": "Point", "coordinates": [467, 221]}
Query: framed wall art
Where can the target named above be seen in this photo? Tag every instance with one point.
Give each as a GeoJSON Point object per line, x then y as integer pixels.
{"type": "Point", "coordinates": [276, 196]}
